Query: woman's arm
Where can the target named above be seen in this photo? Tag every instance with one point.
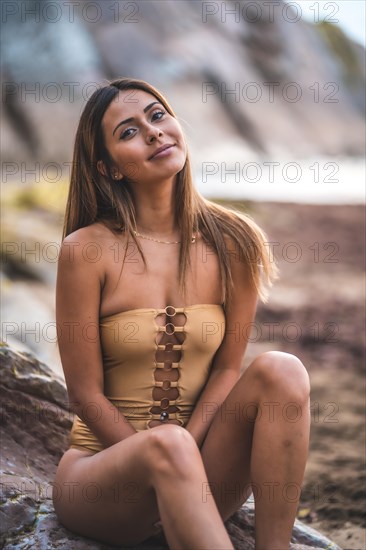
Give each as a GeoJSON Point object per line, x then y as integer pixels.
{"type": "Point", "coordinates": [78, 290]}
{"type": "Point", "coordinates": [225, 370]}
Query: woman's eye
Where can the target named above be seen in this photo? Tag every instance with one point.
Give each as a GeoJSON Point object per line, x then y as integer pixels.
{"type": "Point", "coordinates": [157, 115]}
{"type": "Point", "coordinates": [126, 133]}
{"type": "Point", "coordinates": [161, 113]}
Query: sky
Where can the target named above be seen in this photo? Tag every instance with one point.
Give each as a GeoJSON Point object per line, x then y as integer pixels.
{"type": "Point", "coordinates": [350, 15]}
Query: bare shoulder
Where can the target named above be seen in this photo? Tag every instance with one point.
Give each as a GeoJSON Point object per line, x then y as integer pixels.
{"type": "Point", "coordinates": [90, 242]}
{"type": "Point", "coordinates": [82, 252]}
{"type": "Point", "coordinates": [80, 273]}
{"type": "Point", "coordinates": [96, 232]}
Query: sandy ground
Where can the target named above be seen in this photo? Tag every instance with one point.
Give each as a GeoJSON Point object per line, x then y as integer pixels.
{"type": "Point", "coordinates": [318, 305]}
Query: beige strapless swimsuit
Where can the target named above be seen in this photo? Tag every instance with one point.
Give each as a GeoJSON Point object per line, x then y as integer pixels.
{"type": "Point", "coordinates": [156, 363]}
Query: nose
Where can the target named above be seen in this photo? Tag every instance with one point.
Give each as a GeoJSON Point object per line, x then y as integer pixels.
{"type": "Point", "coordinates": [153, 133]}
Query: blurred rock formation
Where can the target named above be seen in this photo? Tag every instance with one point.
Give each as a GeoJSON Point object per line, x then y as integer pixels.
{"type": "Point", "coordinates": [250, 80]}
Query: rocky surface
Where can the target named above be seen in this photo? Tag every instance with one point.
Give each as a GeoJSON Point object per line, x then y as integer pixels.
{"type": "Point", "coordinates": [34, 434]}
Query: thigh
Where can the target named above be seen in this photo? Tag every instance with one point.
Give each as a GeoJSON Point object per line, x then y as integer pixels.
{"type": "Point", "coordinates": [237, 435]}
{"type": "Point", "coordinates": [108, 496]}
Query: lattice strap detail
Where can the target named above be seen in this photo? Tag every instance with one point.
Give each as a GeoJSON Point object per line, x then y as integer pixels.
{"type": "Point", "coordinates": [165, 403]}
{"type": "Point", "coordinates": [161, 365]}
{"type": "Point", "coordinates": [166, 384]}
{"type": "Point", "coordinates": [172, 347]}
{"type": "Point", "coordinates": [170, 328]}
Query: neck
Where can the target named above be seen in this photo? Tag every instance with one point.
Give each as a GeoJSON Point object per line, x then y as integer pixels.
{"type": "Point", "coordinates": [155, 212]}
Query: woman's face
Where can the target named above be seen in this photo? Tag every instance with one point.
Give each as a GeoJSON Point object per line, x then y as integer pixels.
{"type": "Point", "coordinates": [135, 126]}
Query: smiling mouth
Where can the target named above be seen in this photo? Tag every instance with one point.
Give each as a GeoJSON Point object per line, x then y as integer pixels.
{"type": "Point", "coordinates": [161, 150]}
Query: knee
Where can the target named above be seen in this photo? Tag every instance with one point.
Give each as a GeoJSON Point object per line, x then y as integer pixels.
{"type": "Point", "coordinates": [171, 448]}
{"type": "Point", "coordinates": [282, 373]}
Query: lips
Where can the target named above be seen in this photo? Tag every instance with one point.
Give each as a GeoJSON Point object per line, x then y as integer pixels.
{"type": "Point", "coordinates": [162, 148]}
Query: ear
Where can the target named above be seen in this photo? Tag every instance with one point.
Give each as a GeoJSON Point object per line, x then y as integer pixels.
{"type": "Point", "coordinates": [102, 170]}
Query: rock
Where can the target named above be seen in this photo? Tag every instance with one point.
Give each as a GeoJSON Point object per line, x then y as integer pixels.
{"type": "Point", "coordinates": [318, 94]}
{"type": "Point", "coordinates": [34, 432]}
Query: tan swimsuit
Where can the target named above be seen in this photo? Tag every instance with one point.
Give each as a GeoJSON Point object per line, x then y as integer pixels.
{"type": "Point", "coordinates": [156, 363]}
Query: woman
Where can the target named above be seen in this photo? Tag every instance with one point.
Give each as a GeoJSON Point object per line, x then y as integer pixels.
{"type": "Point", "coordinates": [167, 434]}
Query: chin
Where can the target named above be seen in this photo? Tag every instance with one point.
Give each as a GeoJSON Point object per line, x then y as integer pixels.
{"type": "Point", "coordinates": [173, 169]}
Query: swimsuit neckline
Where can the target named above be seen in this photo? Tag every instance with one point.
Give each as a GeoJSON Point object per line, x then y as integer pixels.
{"type": "Point", "coordinates": [160, 310]}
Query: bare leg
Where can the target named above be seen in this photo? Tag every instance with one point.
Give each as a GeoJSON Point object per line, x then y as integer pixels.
{"type": "Point", "coordinates": [189, 520]}
{"type": "Point", "coordinates": [259, 439]}
{"type": "Point", "coordinates": [151, 474]}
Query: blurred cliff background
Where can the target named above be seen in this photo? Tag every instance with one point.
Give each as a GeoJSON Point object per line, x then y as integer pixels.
{"type": "Point", "coordinates": [271, 96]}
{"type": "Point", "coordinates": [196, 52]}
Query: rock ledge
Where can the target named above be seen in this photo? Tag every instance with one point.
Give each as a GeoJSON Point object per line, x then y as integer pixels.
{"type": "Point", "coordinates": [34, 432]}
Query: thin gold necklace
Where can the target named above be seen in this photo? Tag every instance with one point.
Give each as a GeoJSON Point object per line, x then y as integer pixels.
{"type": "Point", "coordinates": [158, 241]}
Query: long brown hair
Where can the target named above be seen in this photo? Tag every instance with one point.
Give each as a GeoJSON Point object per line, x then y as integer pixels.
{"type": "Point", "coordinates": [96, 198]}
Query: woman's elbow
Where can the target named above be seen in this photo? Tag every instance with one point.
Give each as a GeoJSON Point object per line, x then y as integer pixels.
{"type": "Point", "coordinates": [81, 402]}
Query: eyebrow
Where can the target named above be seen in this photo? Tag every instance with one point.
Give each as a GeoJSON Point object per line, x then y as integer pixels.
{"type": "Point", "coordinates": [132, 118]}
